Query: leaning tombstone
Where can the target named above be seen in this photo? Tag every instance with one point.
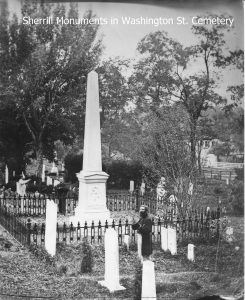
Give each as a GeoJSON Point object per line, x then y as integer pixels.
{"type": "Point", "coordinates": [164, 238]}
{"type": "Point", "coordinates": [111, 262]}
{"type": "Point", "coordinates": [148, 290]}
{"type": "Point", "coordinates": [190, 252]}
{"type": "Point", "coordinates": [50, 227]}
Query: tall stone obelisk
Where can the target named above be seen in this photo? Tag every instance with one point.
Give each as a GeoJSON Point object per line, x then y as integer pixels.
{"type": "Point", "coordinates": [92, 180]}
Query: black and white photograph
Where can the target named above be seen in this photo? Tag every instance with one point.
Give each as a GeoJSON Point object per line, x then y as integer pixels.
{"type": "Point", "coordinates": [122, 150]}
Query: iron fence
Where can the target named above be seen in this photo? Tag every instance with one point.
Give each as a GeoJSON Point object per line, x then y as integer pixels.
{"type": "Point", "coordinates": [16, 227]}
{"type": "Point", "coordinates": [30, 205]}
{"type": "Point", "coordinates": [191, 227]}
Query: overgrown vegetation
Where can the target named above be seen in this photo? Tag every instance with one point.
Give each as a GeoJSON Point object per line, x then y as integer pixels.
{"type": "Point", "coordinates": [87, 258]}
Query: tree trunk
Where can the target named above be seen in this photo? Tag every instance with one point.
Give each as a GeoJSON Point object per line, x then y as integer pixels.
{"type": "Point", "coordinates": [193, 142]}
{"type": "Point", "coordinates": [39, 157]}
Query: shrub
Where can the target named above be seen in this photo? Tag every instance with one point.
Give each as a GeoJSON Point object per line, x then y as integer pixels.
{"type": "Point", "coordinates": [237, 197]}
{"type": "Point", "coordinates": [121, 172]}
{"type": "Point", "coordinates": [42, 254]}
{"type": "Point", "coordinates": [73, 165]}
{"type": "Point", "coordinates": [87, 259]}
{"type": "Point", "coordinates": [137, 280]}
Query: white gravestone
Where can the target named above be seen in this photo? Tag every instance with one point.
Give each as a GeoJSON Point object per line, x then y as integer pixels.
{"type": "Point", "coordinates": [49, 181]}
{"type": "Point", "coordinates": [43, 173]}
{"type": "Point", "coordinates": [50, 227]}
{"type": "Point", "coordinates": [139, 245]}
{"type": "Point", "coordinates": [131, 189]}
{"type": "Point", "coordinates": [190, 252]}
{"type": "Point", "coordinates": [164, 238]}
{"type": "Point", "coordinates": [92, 180]}
{"type": "Point", "coordinates": [148, 290]}
{"type": "Point", "coordinates": [142, 189]}
{"type": "Point", "coordinates": [172, 240]}
{"type": "Point", "coordinates": [6, 174]}
{"type": "Point", "coordinates": [126, 241]}
{"type": "Point", "coordinates": [111, 261]}
{"type": "Point", "coordinates": [17, 188]}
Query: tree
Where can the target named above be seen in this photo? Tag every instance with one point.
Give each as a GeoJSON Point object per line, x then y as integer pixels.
{"type": "Point", "coordinates": [43, 72]}
{"type": "Point", "coordinates": [167, 72]}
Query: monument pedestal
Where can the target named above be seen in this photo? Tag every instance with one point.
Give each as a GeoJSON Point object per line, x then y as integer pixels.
{"type": "Point", "coordinates": [92, 199]}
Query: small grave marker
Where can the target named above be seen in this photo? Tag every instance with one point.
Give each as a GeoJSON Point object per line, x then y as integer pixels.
{"type": "Point", "coordinates": [50, 228]}
{"type": "Point", "coordinates": [111, 261]}
{"type": "Point", "coordinates": [148, 290]}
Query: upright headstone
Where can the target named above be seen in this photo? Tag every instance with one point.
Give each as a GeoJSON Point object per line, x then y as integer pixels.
{"type": "Point", "coordinates": [6, 174]}
{"type": "Point", "coordinates": [142, 189]}
{"type": "Point", "coordinates": [111, 261]}
{"type": "Point", "coordinates": [17, 187]}
{"type": "Point", "coordinates": [227, 181]}
{"type": "Point", "coordinates": [49, 181]}
{"type": "Point", "coordinates": [92, 180]}
{"type": "Point", "coordinates": [172, 240]}
{"type": "Point", "coordinates": [139, 245]}
{"type": "Point", "coordinates": [164, 238]}
{"type": "Point", "coordinates": [43, 173]}
{"type": "Point", "coordinates": [50, 227]}
{"type": "Point", "coordinates": [131, 189]}
{"type": "Point", "coordinates": [13, 173]}
{"type": "Point", "coordinates": [190, 254]}
{"type": "Point", "coordinates": [148, 290]}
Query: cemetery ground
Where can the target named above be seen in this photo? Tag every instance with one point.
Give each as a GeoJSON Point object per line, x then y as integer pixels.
{"type": "Point", "coordinates": [217, 269]}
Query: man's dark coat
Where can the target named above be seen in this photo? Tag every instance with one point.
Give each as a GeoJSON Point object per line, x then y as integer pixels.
{"type": "Point", "coordinates": [144, 227]}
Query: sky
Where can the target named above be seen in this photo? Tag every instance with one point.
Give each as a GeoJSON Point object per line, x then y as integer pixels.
{"type": "Point", "coordinates": [122, 39]}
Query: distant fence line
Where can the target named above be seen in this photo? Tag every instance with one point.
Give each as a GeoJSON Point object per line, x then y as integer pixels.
{"type": "Point", "coordinates": [31, 205]}
{"type": "Point", "coordinates": [194, 225]}
{"type": "Point", "coordinates": [219, 174]}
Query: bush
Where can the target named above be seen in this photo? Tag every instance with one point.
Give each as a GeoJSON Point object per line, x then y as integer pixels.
{"type": "Point", "coordinates": [121, 172]}
{"type": "Point", "coordinates": [237, 197]}
{"type": "Point", "coordinates": [73, 165]}
{"type": "Point", "coordinates": [87, 259]}
{"type": "Point", "coordinates": [239, 174]}
{"type": "Point", "coordinates": [42, 254]}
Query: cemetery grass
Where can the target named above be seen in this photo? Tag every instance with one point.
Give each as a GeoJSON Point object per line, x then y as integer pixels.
{"type": "Point", "coordinates": [218, 269]}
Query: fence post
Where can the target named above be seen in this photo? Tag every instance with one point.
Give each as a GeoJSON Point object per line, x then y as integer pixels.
{"type": "Point", "coordinates": [218, 221]}
{"type": "Point", "coordinates": [136, 200]}
{"type": "Point", "coordinates": [28, 231]}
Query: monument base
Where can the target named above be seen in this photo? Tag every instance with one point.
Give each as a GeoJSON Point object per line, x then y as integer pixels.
{"type": "Point", "coordinates": [92, 199]}
{"type": "Point", "coordinates": [112, 287]}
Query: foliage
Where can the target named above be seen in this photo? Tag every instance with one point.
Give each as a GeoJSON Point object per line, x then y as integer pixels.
{"type": "Point", "coordinates": [43, 74]}
{"type": "Point", "coordinates": [240, 174]}
{"type": "Point", "coordinates": [87, 257]}
{"type": "Point", "coordinates": [237, 197]}
{"type": "Point", "coordinates": [41, 254]}
{"type": "Point", "coordinates": [121, 172]}
{"type": "Point", "coordinates": [73, 165]}
{"type": "Point", "coordinates": [164, 75]}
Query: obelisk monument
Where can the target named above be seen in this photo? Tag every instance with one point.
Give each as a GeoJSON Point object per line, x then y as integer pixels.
{"type": "Point", "coordinates": [92, 180]}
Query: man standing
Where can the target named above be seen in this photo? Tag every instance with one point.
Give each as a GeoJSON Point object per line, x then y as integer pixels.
{"type": "Point", "coordinates": [144, 227]}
